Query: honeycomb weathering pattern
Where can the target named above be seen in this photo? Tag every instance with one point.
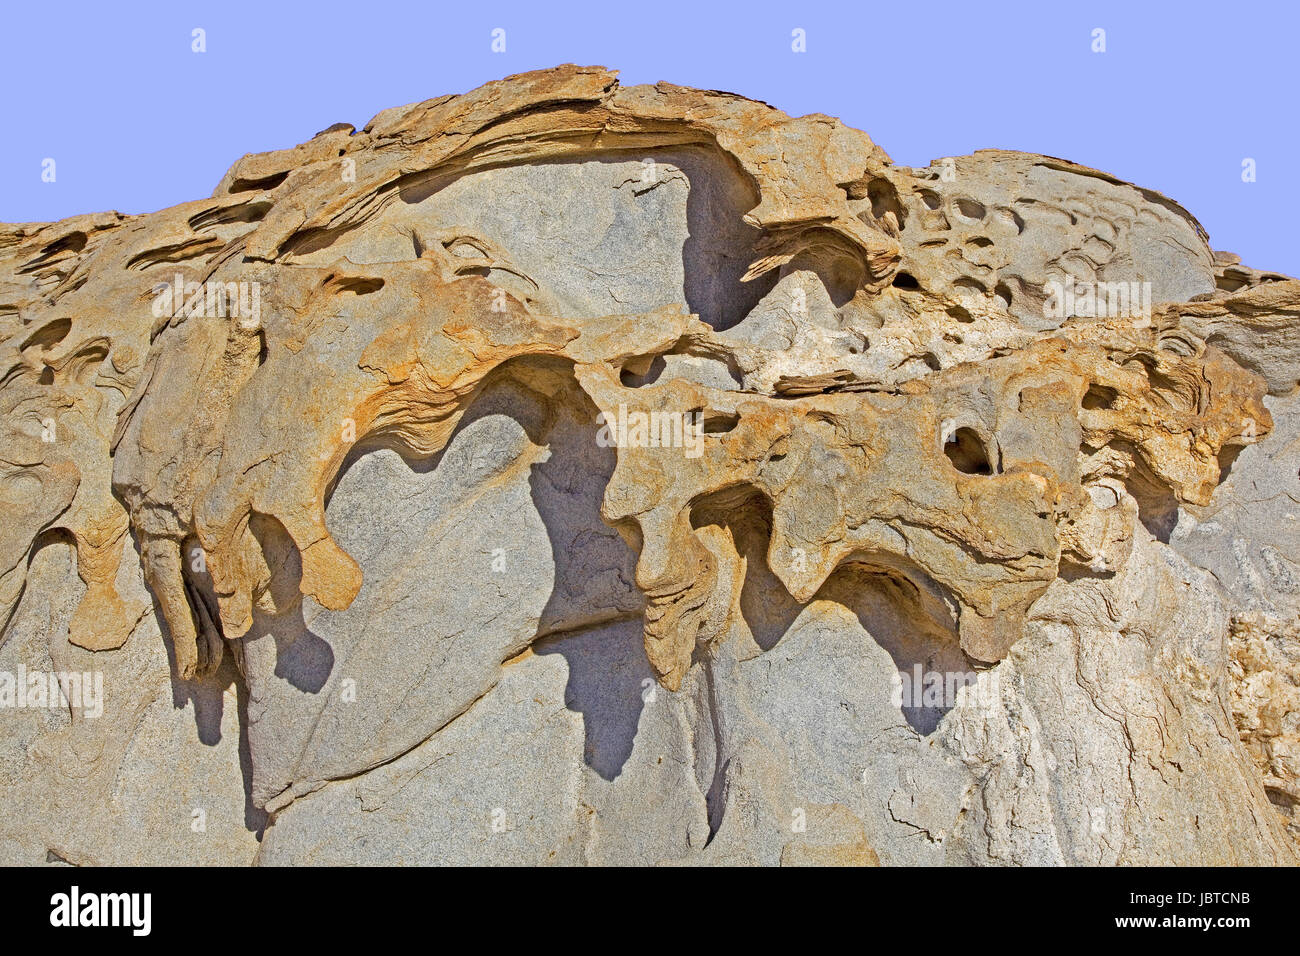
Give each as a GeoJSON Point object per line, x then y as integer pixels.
{"type": "Point", "coordinates": [881, 382]}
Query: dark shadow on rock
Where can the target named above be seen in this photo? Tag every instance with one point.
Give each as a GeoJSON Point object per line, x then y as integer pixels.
{"type": "Point", "coordinates": [1157, 505]}
{"type": "Point", "coordinates": [765, 604]}
{"type": "Point", "coordinates": [608, 680]}
{"type": "Point", "coordinates": [594, 577]}
{"type": "Point", "coordinates": [887, 606]}
{"type": "Point", "coordinates": [302, 658]}
{"type": "Point", "coordinates": [208, 697]}
{"type": "Point", "coordinates": [930, 662]}
{"type": "Point", "coordinates": [714, 290]}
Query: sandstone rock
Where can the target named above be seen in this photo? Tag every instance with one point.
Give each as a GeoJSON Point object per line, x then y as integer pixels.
{"type": "Point", "coordinates": [568, 473]}
{"type": "Point", "coordinates": [1265, 669]}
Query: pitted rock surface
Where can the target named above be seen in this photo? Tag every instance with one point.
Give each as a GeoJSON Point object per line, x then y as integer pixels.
{"type": "Point", "coordinates": [563, 473]}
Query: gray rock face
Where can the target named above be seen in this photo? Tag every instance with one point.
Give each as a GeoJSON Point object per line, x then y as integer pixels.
{"type": "Point", "coordinates": [467, 560]}
{"type": "Point", "coordinates": [150, 771]}
{"type": "Point", "coordinates": [933, 570]}
{"type": "Point", "coordinates": [1246, 536]}
{"type": "Point", "coordinates": [613, 235]}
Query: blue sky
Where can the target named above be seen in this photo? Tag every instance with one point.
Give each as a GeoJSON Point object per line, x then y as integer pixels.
{"type": "Point", "coordinates": [1184, 92]}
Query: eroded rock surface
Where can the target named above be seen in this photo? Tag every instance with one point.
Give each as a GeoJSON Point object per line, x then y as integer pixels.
{"type": "Point", "coordinates": [569, 473]}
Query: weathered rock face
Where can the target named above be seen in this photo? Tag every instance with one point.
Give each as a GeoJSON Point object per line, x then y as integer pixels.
{"type": "Point", "coordinates": [568, 473]}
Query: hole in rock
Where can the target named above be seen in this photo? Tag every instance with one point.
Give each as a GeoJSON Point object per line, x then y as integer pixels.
{"type": "Point", "coordinates": [266, 182]}
{"type": "Point", "coordinates": [247, 212]}
{"type": "Point", "coordinates": [1157, 505]}
{"type": "Point", "coordinates": [1099, 396]}
{"type": "Point", "coordinates": [48, 335]}
{"type": "Point", "coordinates": [719, 422]}
{"type": "Point", "coordinates": [884, 198]}
{"type": "Point", "coordinates": [766, 606]}
{"type": "Point", "coordinates": [1228, 282]}
{"type": "Point", "coordinates": [1283, 800]}
{"type": "Point", "coordinates": [905, 280]}
{"type": "Point", "coordinates": [641, 371]}
{"type": "Point", "coordinates": [841, 278]}
{"type": "Point", "coordinates": [72, 242]}
{"type": "Point", "coordinates": [967, 453]}
{"type": "Point", "coordinates": [357, 285]}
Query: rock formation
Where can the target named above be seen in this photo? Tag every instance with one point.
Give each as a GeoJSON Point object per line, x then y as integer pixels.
{"type": "Point", "coordinates": [568, 473]}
